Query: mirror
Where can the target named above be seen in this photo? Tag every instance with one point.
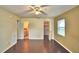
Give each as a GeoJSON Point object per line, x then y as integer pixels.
{"type": "Point", "coordinates": [61, 27]}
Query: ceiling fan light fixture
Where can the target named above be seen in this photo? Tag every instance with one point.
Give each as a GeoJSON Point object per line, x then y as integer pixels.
{"type": "Point", "coordinates": [37, 12]}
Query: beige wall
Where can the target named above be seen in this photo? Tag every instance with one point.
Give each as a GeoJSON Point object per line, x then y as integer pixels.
{"type": "Point", "coordinates": [8, 29]}
{"type": "Point", "coordinates": [36, 30]}
{"type": "Point", "coordinates": [71, 40]}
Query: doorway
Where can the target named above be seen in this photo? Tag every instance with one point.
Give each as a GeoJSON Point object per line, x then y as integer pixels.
{"type": "Point", "coordinates": [26, 29]}
{"type": "Point", "coordinates": [46, 30]}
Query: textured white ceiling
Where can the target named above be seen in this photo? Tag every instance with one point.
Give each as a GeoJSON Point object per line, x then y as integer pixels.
{"type": "Point", "coordinates": [51, 10]}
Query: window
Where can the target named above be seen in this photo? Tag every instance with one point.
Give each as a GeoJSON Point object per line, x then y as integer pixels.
{"type": "Point", "coordinates": [61, 27]}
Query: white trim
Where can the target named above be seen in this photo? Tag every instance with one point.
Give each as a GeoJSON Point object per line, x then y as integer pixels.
{"type": "Point", "coordinates": [63, 46]}
{"type": "Point", "coordinates": [9, 47]}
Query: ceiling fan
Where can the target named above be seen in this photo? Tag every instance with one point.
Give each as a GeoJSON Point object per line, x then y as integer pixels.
{"type": "Point", "coordinates": [37, 9]}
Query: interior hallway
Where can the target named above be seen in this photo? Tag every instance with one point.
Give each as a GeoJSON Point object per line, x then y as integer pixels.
{"type": "Point", "coordinates": [36, 46]}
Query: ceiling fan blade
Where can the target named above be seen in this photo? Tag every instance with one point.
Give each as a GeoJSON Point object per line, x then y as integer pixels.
{"type": "Point", "coordinates": [33, 5]}
{"type": "Point", "coordinates": [43, 5]}
{"type": "Point", "coordinates": [43, 12]}
{"type": "Point", "coordinates": [29, 10]}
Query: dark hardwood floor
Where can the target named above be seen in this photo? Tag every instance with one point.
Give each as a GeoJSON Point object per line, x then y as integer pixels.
{"type": "Point", "coordinates": [36, 46]}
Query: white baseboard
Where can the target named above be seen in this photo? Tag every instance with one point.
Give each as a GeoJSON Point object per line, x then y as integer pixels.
{"type": "Point", "coordinates": [9, 47]}
{"type": "Point", "coordinates": [63, 46]}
